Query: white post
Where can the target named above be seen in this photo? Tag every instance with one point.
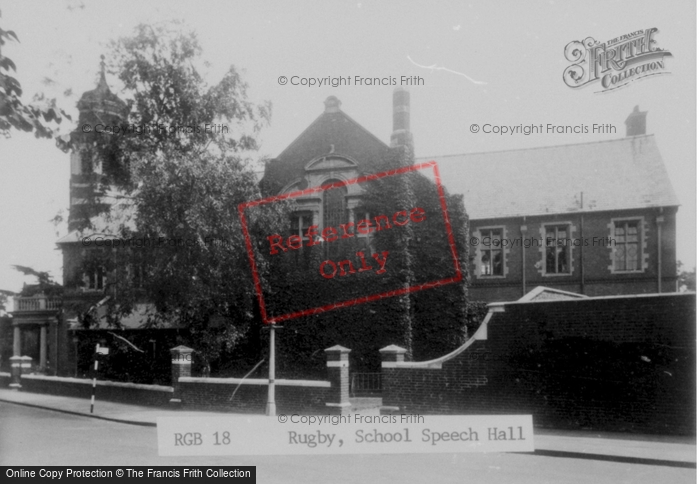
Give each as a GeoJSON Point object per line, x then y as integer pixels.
{"type": "Point", "coordinates": [271, 406]}
{"type": "Point", "coordinates": [42, 348]}
{"type": "Point", "coordinates": [94, 380]}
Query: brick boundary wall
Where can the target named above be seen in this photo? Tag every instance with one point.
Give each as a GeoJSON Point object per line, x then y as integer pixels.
{"type": "Point", "coordinates": [5, 379]}
{"type": "Point", "coordinates": [221, 394]}
{"type": "Point", "coordinates": [616, 363]}
{"type": "Point", "coordinates": [291, 396]}
{"type": "Point", "coordinates": [133, 393]}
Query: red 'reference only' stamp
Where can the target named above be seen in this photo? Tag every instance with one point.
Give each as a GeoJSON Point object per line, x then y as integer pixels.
{"type": "Point", "coordinates": [329, 269]}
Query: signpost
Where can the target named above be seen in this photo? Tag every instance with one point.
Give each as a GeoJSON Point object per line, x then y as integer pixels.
{"type": "Point", "coordinates": [99, 350]}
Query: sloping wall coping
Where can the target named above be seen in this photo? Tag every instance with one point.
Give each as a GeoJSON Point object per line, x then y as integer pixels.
{"type": "Point", "coordinates": [436, 364]}
{"type": "Point", "coordinates": [105, 383]}
{"type": "Point", "coordinates": [584, 300]}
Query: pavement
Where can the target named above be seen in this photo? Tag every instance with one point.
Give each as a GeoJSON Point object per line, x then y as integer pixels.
{"type": "Point", "coordinates": [664, 450]}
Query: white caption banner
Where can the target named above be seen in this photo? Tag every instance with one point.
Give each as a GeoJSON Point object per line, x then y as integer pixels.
{"type": "Point", "coordinates": [346, 434]}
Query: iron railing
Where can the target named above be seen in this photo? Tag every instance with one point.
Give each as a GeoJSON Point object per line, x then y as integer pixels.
{"type": "Point", "coordinates": [365, 384]}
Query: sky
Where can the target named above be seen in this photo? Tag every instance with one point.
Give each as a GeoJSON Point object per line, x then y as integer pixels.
{"type": "Point", "coordinates": [485, 62]}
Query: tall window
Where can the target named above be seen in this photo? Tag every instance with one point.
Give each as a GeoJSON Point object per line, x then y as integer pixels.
{"type": "Point", "coordinates": [300, 223]}
{"type": "Point", "coordinates": [362, 214]}
{"type": "Point", "coordinates": [137, 274]}
{"type": "Point", "coordinates": [627, 246]}
{"type": "Point", "coordinates": [557, 253]}
{"type": "Point", "coordinates": [491, 252]}
{"type": "Point", "coordinates": [334, 214]}
{"type": "Point", "coordinates": [95, 279]}
{"type": "Point", "coordinates": [334, 211]}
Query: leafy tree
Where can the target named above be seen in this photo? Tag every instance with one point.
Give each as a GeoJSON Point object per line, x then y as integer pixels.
{"type": "Point", "coordinates": [14, 114]}
{"type": "Point", "coordinates": [170, 107]}
{"type": "Point", "coordinates": [45, 284]}
{"type": "Point", "coordinates": [686, 279]}
{"type": "Point", "coordinates": [178, 185]}
{"type": "Point", "coordinates": [196, 270]}
{"type": "Point", "coordinates": [4, 295]}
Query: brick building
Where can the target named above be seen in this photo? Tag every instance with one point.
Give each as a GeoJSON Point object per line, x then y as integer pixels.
{"type": "Point", "coordinates": [41, 323]}
{"type": "Point", "coordinates": [85, 282]}
{"type": "Point", "coordinates": [593, 218]}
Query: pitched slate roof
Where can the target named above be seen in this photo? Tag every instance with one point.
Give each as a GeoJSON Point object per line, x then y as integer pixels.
{"type": "Point", "coordinates": [620, 174]}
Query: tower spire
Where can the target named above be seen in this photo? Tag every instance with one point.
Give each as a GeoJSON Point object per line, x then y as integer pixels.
{"type": "Point", "coordinates": [103, 79]}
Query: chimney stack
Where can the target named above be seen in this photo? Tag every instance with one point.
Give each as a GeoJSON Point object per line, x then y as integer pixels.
{"type": "Point", "coordinates": [332, 104]}
{"type": "Point", "coordinates": [636, 122]}
{"type": "Point", "coordinates": [401, 135]}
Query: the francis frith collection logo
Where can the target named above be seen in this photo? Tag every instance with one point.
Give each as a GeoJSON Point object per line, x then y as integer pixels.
{"type": "Point", "coordinates": [615, 63]}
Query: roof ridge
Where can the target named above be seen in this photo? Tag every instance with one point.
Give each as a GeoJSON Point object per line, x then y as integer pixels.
{"type": "Point", "coordinates": [537, 147]}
